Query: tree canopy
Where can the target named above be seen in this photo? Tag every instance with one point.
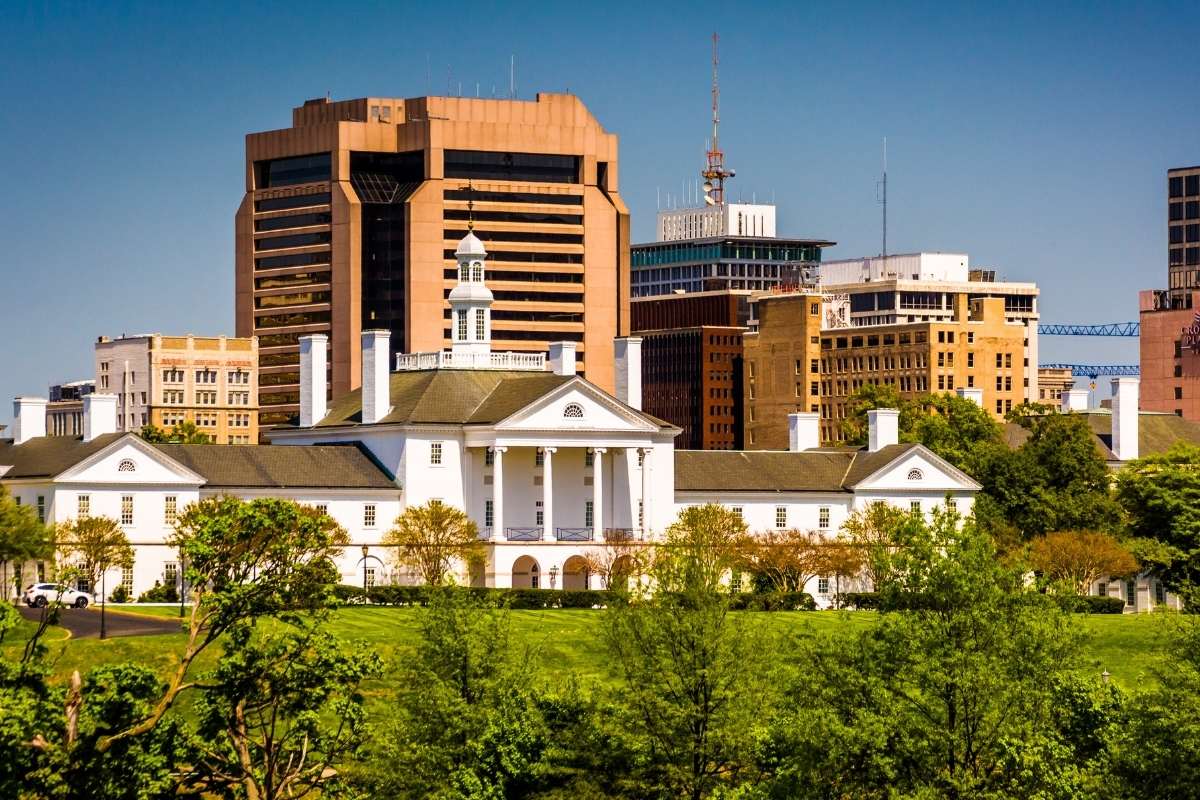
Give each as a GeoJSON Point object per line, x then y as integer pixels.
{"type": "Point", "coordinates": [1161, 495]}
{"type": "Point", "coordinates": [430, 538]}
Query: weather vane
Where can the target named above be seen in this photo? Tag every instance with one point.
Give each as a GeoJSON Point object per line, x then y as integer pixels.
{"type": "Point", "coordinates": [470, 207]}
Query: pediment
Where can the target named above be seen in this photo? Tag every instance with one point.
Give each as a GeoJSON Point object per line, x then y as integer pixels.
{"type": "Point", "coordinates": [130, 460]}
{"type": "Point", "coordinates": [578, 406]}
{"type": "Point", "coordinates": [918, 469]}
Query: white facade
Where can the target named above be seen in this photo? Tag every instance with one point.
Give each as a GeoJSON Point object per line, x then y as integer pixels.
{"type": "Point", "coordinates": [725, 219]}
{"type": "Point", "coordinates": [909, 266]}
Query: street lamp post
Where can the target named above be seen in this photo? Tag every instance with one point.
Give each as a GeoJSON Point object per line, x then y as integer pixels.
{"type": "Point", "coordinates": [554, 576]}
{"type": "Point", "coordinates": [103, 600]}
{"type": "Point", "coordinates": [182, 581]}
{"type": "Point", "coordinates": [365, 550]}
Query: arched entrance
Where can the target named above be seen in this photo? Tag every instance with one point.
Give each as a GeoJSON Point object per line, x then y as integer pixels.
{"type": "Point", "coordinates": [575, 573]}
{"type": "Point", "coordinates": [526, 573]}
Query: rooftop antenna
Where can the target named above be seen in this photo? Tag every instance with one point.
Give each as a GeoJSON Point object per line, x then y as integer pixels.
{"type": "Point", "coordinates": [512, 76]}
{"type": "Point", "coordinates": [884, 184]}
{"type": "Point", "coordinates": [714, 172]}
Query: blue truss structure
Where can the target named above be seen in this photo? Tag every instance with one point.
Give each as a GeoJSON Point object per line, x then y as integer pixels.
{"type": "Point", "coordinates": [1094, 371]}
{"type": "Point", "coordinates": [1107, 329]}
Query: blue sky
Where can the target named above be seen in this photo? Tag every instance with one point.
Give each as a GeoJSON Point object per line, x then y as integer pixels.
{"type": "Point", "coordinates": [1035, 137]}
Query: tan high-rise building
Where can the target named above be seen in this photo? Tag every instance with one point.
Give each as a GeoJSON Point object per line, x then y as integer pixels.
{"type": "Point", "coordinates": [791, 364]}
{"type": "Point", "coordinates": [166, 380]}
{"type": "Point", "coordinates": [351, 217]}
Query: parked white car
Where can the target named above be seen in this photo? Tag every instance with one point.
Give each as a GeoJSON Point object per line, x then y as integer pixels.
{"type": "Point", "coordinates": [42, 594]}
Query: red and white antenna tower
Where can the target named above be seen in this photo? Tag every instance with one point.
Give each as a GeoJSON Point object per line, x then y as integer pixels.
{"type": "Point", "coordinates": [714, 171]}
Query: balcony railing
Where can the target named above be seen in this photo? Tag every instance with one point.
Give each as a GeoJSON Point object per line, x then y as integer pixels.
{"type": "Point", "coordinates": [448, 359]}
{"type": "Point", "coordinates": [523, 534]}
{"type": "Point", "coordinates": [624, 534]}
{"type": "Point", "coordinates": [573, 534]}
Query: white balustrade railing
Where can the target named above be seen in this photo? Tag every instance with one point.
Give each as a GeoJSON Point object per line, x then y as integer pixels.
{"type": "Point", "coordinates": [448, 359]}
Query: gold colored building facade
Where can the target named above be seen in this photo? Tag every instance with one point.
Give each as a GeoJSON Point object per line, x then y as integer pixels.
{"type": "Point", "coordinates": [166, 380]}
{"type": "Point", "coordinates": [788, 370]}
{"type": "Point", "coordinates": [1052, 383]}
{"type": "Point", "coordinates": [351, 217]}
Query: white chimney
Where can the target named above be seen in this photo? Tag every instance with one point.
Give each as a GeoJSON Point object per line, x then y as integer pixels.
{"type": "Point", "coordinates": [313, 380]}
{"type": "Point", "coordinates": [376, 385]}
{"type": "Point", "coordinates": [1125, 418]}
{"type": "Point", "coordinates": [972, 393]}
{"type": "Point", "coordinates": [562, 358]}
{"type": "Point", "coordinates": [629, 370]}
{"type": "Point", "coordinates": [883, 428]}
{"type": "Point", "coordinates": [29, 419]}
{"type": "Point", "coordinates": [99, 415]}
{"type": "Point", "coordinates": [1075, 400]}
{"type": "Point", "coordinates": [804, 431]}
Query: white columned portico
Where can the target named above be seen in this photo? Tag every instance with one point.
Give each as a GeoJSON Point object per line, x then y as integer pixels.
{"type": "Point", "coordinates": [644, 454]}
{"type": "Point", "coordinates": [598, 493]}
{"type": "Point", "coordinates": [548, 493]}
{"type": "Point", "coordinates": [498, 493]}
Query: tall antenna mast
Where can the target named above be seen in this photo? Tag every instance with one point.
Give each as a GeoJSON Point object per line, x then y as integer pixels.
{"type": "Point", "coordinates": [714, 172]}
{"type": "Point", "coordinates": [885, 197]}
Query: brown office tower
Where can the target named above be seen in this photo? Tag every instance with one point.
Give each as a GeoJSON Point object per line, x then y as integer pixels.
{"type": "Point", "coordinates": [781, 371]}
{"type": "Point", "coordinates": [351, 217]}
{"type": "Point", "coordinates": [692, 363]}
{"type": "Point", "coordinates": [1170, 318]}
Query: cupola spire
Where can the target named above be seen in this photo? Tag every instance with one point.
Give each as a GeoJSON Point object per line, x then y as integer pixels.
{"type": "Point", "coordinates": [470, 299]}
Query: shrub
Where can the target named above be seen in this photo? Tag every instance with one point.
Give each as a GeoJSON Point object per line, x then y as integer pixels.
{"type": "Point", "coordinates": [119, 595]}
{"type": "Point", "coordinates": [159, 594]}
{"type": "Point", "coordinates": [1090, 604]}
{"type": "Point", "coordinates": [772, 601]}
{"type": "Point", "coordinates": [861, 601]}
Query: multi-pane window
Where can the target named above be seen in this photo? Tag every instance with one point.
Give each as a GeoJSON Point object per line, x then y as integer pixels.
{"type": "Point", "coordinates": [915, 506]}
{"type": "Point", "coordinates": [239, 398]}
{"type": "Point", "coordinates": [539, 458]}
{"type": "Point", "coordinates": [480, 327]}
{"type": "Point", "coordinates": [589, 458]}
{"type": "Point", "coordinates": [589, 510]}
{"type": "Point", "coordinates": [206, 376]}
{"type": "Point", "coordinates": [127, 578]}
{"type": "Point", "coordinates": [170, 573]}
{"type": "Point", "coordinates": [1102, 589]}
{"type": "Point", "coordinates": [1160, 593]}
{"type": "Point", "coordinates": [322, 508]}
{"type": "Point", "coordinates": [170, 509]}
{"type": "Point", "coordinates": [41, 508]}
{"type": "Point", "coordinates": [461, 316]}
{"type": "Point", "coordinates": [641, 514]}
{"type": "Point", "coordinates": [1130, 593]}
{"type": "Point", "coordinates": [489, 513]}
{"type": "Point", "coordinates": [489, 457]}
{"type": "Point", "coordinates": [737, 511]}
{"type": "Point", "coordinates": [172, 375]}
{"type": "Point", "coordinates": [370, 577]}
{"type": "Point", "coordinates": [823, 518]}
{"type": "Point", "coordinates": [173, 396]}
{"type": "Point", "coordinates": [206, 398]}
{"type": "Point", "coordinates": [780, 516]}
{"type": "Point", "coordinates": [369, 515]}
{"type": "Point", "coordinates": [822, 585]}
{"type": "Point", "coordinates": [239, 378]}
{"type": "Point", "coordinates": [83, 505]}
{"type": "Point", "coordinates": [435, 453]}
{"type": "Point", "coordinates": [126, 509]}
{"type": "Point", "coordinates": [539, 513]}
{"type": "Point", "coordinates": [951, 504]}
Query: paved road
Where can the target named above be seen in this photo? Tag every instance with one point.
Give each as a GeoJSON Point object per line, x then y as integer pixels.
{"type": "Point", "coordinates": [84, 623]}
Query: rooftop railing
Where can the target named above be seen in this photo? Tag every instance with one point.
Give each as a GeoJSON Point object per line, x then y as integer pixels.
{"type": "Point", "coordinates": [448, 359]}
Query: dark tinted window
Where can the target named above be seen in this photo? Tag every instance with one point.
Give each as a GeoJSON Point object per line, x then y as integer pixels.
{"type": "Point", "coordinates": [294, 260]}
{"type": "Point", "coordinates": [512, 255]}
{"type": "Point", "coordinates": [1176, 234]}
{"type": "Point", "coordinates": [278, 359]}
{"type": "Point", "coordinates": [294, 221]}
{"type": "Point", "coordinates": [516, 216]}
{"type": "Point", "coordinates": [1176, 187]}
{"type": "Point", "coordinates": [1193, 256]}
{"type": "Point", "coordinates": [294, 201]}
{"type": "Point", "coordinates": [514, 197]}
{"type": "Point", "coordinates": [279, 339]}
{"type": "Point", "coordinates": [1193, 209]}
{"type": "Point", "coordinates": [294, 299]}
{"type": "Point", "coordinates": [520, 236]}
{"type": "Point", "coordinates": [1193, 233]}
{"type": "Point", "coordinates": [1176, 211]}
{"type": "Point", "coordinates": [285, 320]}
{"type": "Point", "coordinates": [1193, 185]}
{"type": "Point", "coordinates": [291, 171]}
{"type": "Point", "coordinates": [295, 240]}
{"type": "Point", "coordinates": [298, 279]}
{"type": "Point", "coordinates": [862, 302]}
{"type": "Point", "coordinates": [1018, 302]}
{"type": "Point", "coordinates": [511, 166]}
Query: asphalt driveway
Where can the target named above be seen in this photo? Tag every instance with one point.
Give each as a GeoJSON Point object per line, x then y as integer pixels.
{"type": "Point", "coordinates": [84, 623]}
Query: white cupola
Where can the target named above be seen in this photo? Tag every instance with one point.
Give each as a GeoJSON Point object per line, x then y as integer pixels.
{"type": "Point", "coordinates": [471, 301]}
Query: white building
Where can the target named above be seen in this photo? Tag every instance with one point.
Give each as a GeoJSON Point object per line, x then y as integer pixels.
{"type": "Point", "coordinates": [544, 462]}
{"type": "Point", "coordinates": [723, 219]}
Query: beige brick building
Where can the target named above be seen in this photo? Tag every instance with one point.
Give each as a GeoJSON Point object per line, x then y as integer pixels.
{"type": "Point", "coordinates": [350, 219]}
{"type": "Point", "coordinates": [793, 365]}
{"type": "Point", "coordinates": [165, 380]}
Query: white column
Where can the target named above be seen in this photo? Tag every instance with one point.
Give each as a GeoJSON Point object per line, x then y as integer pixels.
{"type": "Point", "coordinates": [645, 452]}
{"type": "Point", "coordinates": [498, 493]}
{"type": "Point", "coordinates": [598, 494]}
{"type": "Point", "coordinates": [548, 494]}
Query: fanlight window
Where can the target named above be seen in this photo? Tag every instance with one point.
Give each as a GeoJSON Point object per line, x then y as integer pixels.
{"type": "Point", "coordinates": [573, 411]}
{"type": "Point", "coordinates": [126, 465]}
{"type": "Point", "coordinates": [915, 475]}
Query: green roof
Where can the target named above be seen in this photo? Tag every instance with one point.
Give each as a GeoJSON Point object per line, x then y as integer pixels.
{"type": "Point", "coordinates": [254, 466]}
{"type": "Point", "coordinates": [779, 471]}
{"type": "Point", "coordinates": [1157, 432]}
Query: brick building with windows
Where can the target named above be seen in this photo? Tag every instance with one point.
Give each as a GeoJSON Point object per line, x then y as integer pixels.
{"type": "Point", "coordinates": [166, 380]}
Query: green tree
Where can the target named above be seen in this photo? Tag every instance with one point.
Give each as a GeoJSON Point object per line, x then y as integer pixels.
{"type": "Point", "coordinates": [878, 532]}
{"type": "Point", "coordinates": [282, 713]}
{"type": "Point", "coordinates": [1077, 559]}
{"type": "Point", "coordinates": [1161, 495]}
{"type": "Point", "coordinates": [23, 537]}
{"type": "Point", "coordinates": [429, 538]}
{"type": "Point", "coordinates": [954, 693]}
{"type": "Point", "coordinates": [467, 723]}
{"type": "Point", "coordinates": [872, 396]}
{"type": "Point", "coordinates": [93, 545]}
{"type": "Point", "coordinates": [955, 428]}
{"type": "Point", "coordinates": [695, 686]}
{"type": "Point", "coordinates": [244, 560]}
{"type": "Point", "coordinates": [184, 432]}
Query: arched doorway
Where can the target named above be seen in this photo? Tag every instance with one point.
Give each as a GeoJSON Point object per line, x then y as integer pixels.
{"type": "Point", "coordinates": [526, 573]}
{"type": "Point", "coordinates": [575, 574]}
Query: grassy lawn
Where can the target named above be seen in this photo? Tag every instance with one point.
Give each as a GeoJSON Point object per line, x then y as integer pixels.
{"type": "Point", "coordinates": [569, 642]}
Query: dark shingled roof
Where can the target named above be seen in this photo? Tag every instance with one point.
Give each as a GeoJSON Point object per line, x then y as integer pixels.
{"type": "Point", "coordinates": [281, 466]}
{"type": "Point", "coordinates": [779, 471]}
{"type": "Point", "coordinates": [47, 456]}
{"type": "Point", "coordinates": [454, 396]}
{"type": "Point", "coordinates": [1157, 431]}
